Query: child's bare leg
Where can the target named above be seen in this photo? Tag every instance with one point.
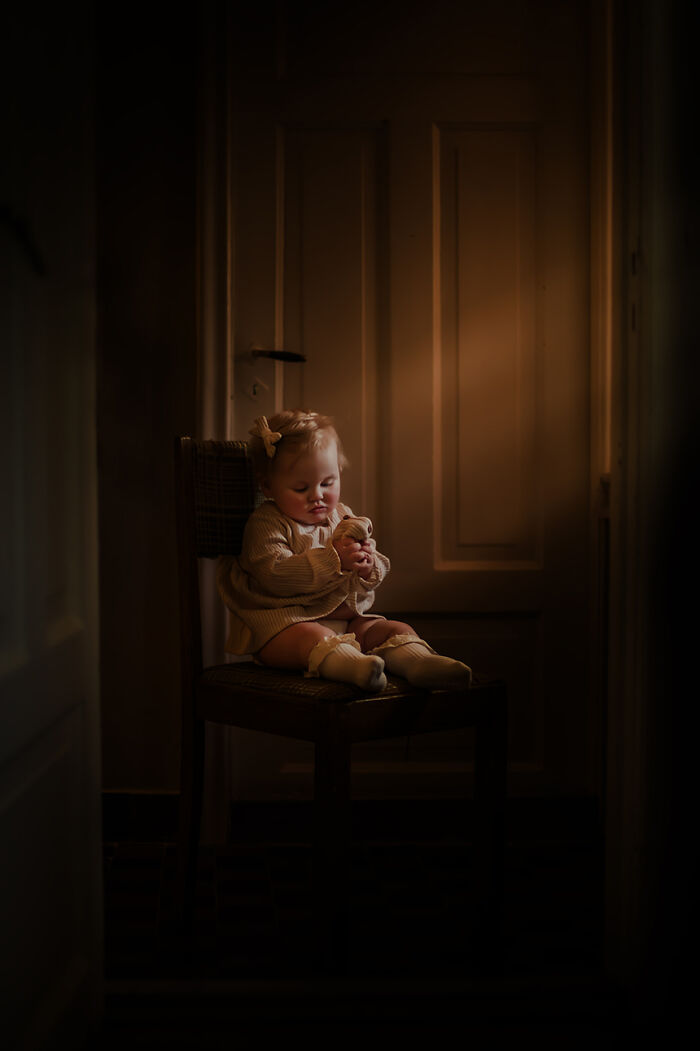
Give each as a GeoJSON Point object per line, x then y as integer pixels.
{"type": "Point", "coordinates": [291, 648]}
{"type": "Point", "coordinates": [338, 657]}
{"type": "Point", "coordinates": [371, 633]}
{"type": "Point", "coordinates": [406, 654]}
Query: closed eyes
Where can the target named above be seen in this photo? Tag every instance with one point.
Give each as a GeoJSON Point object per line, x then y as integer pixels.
{"type": "Point", "coordinates": [324, 485]}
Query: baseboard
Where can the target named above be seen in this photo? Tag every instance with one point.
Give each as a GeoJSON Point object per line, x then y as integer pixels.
{"type": "Point", "coordinates": [152, 817]}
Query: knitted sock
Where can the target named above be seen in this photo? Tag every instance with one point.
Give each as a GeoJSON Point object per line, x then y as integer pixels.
{"type": "Point", "coordinates": [430, 671]}
{"type": "Point", "coordinates": [345, 662]}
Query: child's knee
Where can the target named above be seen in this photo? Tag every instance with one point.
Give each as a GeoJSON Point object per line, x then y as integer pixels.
{"type": "Point", "coordinates": [381, 630]}
{"type": "Point", "coordinates": [312, 632]}
{"type": "Point", "coordinates": [292, 646]}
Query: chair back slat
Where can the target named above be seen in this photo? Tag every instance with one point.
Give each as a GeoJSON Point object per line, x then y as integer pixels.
{"type": "Point", "coordinates": [224, 496]}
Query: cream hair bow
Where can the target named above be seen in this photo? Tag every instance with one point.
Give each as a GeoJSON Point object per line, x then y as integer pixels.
{"type": "Point", "coordinates": [262, 430]}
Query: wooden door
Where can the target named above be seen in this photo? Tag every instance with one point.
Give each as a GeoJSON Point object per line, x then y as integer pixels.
{"type": "Point", "coordinates": [412, 217]}
{"type": "Point", "coordinates": [50, 839]}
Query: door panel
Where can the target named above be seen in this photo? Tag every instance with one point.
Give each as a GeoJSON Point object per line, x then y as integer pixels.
{"type": "Point", "coordinates": [486, 502]}
{"type": "Point", "coordinates": [414, 221]}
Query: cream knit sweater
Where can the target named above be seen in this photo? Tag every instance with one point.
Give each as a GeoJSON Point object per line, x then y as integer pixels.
{"type": "Point", "coordinates": [287, 573]}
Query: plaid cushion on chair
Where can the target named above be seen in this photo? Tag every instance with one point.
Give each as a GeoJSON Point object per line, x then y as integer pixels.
{"type": "Point", "coordinates": [224, 496]}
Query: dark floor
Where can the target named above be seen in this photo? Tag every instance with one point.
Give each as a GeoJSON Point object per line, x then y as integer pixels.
{"type": "Point", "coordinates": [412, 908]}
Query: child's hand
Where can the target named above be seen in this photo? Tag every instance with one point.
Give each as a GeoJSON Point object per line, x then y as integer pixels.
{"type": "Point", "coordinates": [368, 548]}
{"type": "Point", "coordinates": [355, 548]}
{"type": "Point", "coordinates": [355, 556]}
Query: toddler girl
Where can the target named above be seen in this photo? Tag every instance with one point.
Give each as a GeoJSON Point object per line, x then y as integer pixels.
{"type": "Point", "coordinates": [301, 590]}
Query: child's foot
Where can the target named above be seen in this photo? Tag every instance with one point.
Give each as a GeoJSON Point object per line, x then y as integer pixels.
{"type": "Point", "coordinates": [346, 663]}
{"type": "Point", "coordinates": [427, 670]}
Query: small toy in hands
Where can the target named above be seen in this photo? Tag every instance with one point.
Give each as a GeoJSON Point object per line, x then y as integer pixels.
{"type": "Point", "coordinates": [356, 527]}
{"type": "Point", "coordinates": [352, 538]}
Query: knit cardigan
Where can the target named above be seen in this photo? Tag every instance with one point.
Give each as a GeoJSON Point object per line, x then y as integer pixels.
{"type": "Point", "coordinates": [287, 573]}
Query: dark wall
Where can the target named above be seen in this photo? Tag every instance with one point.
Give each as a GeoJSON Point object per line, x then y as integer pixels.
{"type": "Point", "coordinates": [671, 182]}
{"type": "Point", "coordinates": [146, 339]}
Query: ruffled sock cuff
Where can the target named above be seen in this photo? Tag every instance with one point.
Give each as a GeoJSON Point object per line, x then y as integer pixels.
{"type": "Point", "coordinates": [323, 648]}
{"type": "Point", "coordinates": [401, 640]}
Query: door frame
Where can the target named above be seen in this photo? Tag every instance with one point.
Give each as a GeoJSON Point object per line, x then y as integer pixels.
{"type": "Point", "coordinates": [650, 643]}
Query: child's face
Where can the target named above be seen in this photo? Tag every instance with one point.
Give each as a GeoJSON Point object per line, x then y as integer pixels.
{"type": "Point", "coordinates": [306, 487]}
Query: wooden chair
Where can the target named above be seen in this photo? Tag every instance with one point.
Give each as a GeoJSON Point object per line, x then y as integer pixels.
{"type": "Point", "coordinates": [215, 492]}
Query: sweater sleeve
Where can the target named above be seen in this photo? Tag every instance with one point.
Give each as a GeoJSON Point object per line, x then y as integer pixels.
{"type": "Point", "coordinates": [379, 570]}
{"type": "Point", "coordinates": [268, 558]}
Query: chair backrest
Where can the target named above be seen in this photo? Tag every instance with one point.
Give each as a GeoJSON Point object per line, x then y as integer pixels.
{"type": "Point", "coordinates": [223, 495]}
{"type": "Point", "coordinates": [215, 492]}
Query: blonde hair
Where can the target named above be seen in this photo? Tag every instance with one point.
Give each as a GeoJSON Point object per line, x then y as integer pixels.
{"type": "Point", "coordinates": [301, 430]}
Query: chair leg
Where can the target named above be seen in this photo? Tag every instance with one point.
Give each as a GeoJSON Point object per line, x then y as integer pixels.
{"type": "Point", "coordinates": [189, 822]}
{"type": "Point", "coordinates": [490, 798]}
{"type": "Point", "coordinates": [332, 837]}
